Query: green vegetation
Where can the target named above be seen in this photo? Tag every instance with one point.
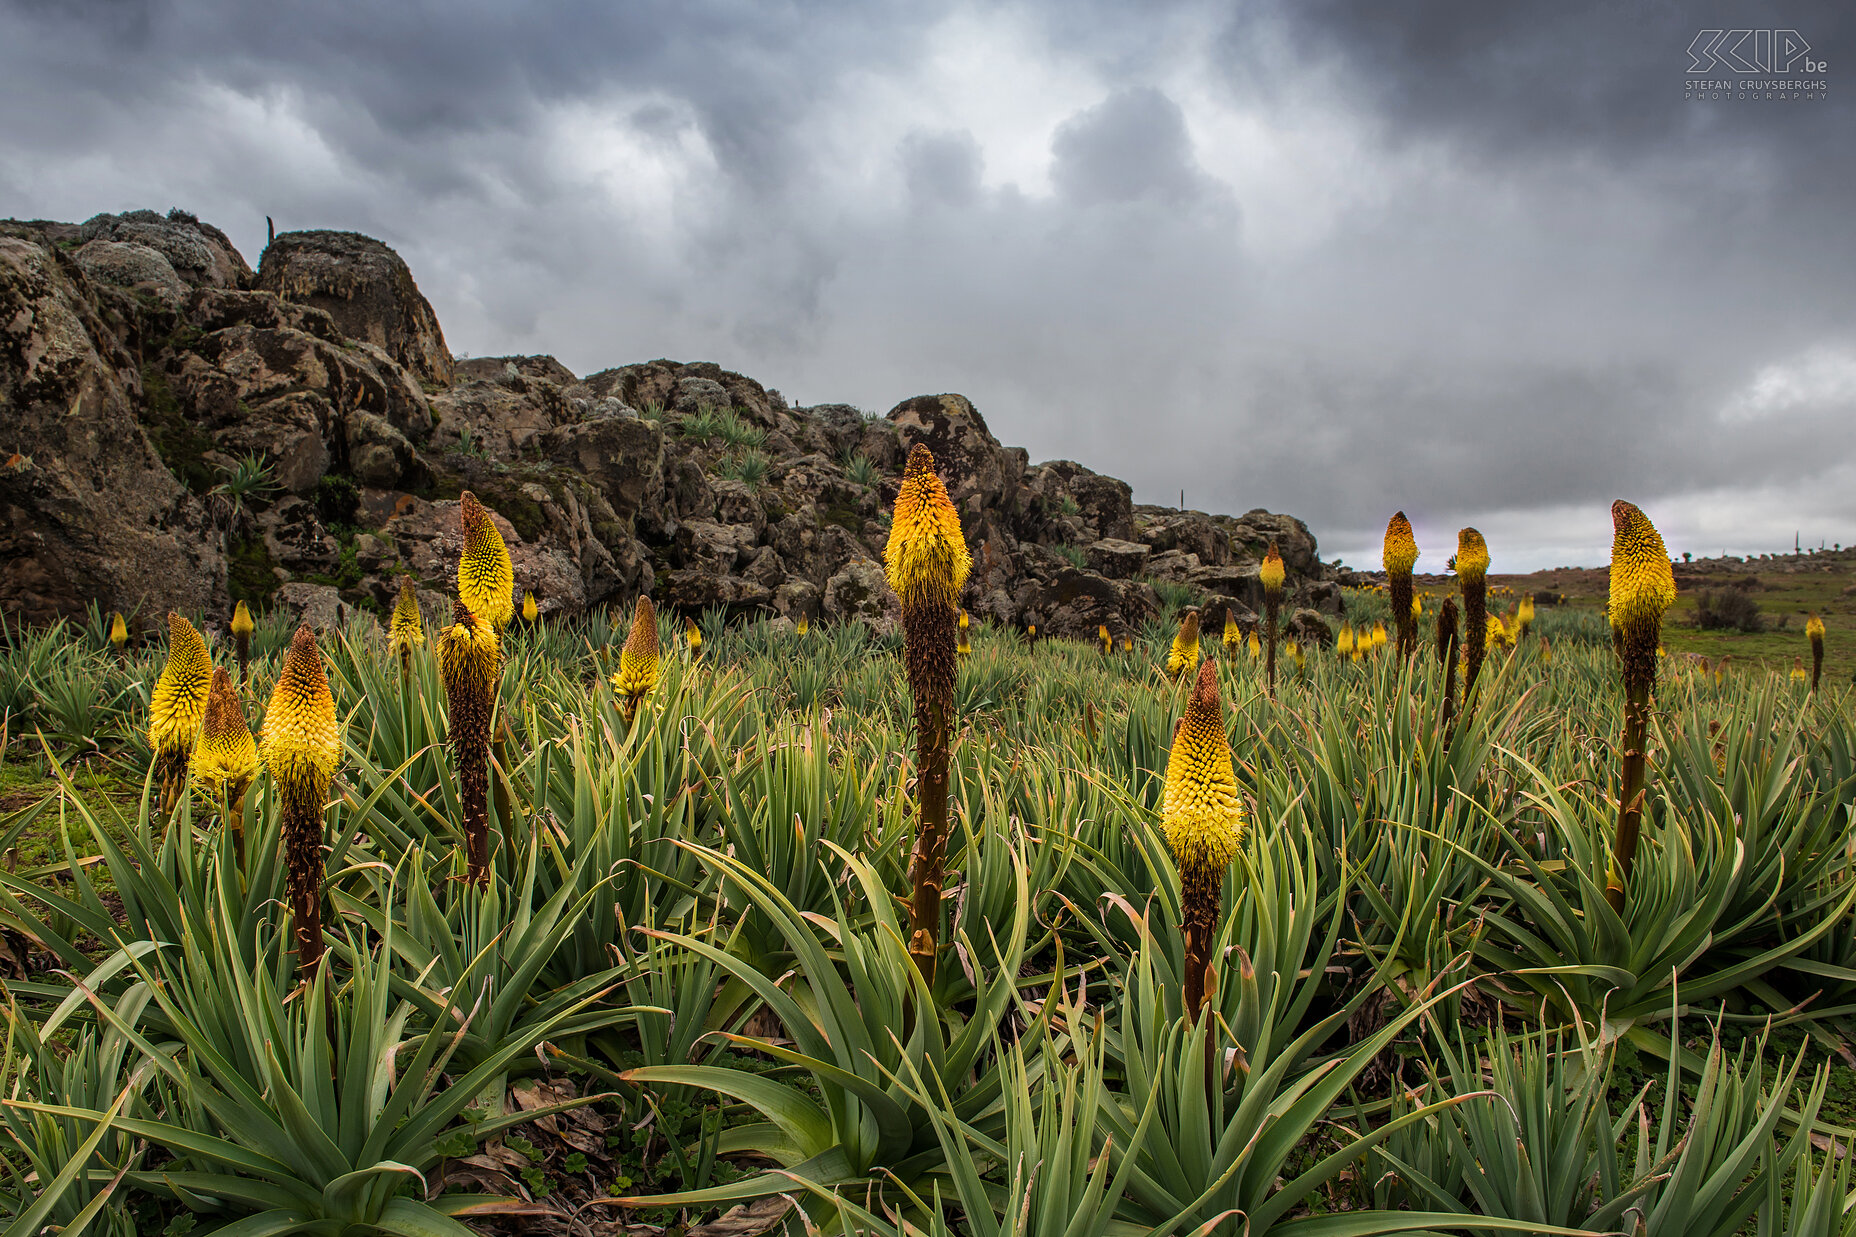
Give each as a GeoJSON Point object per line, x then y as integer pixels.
{"type": "Point", "coordinates": [685, 985]}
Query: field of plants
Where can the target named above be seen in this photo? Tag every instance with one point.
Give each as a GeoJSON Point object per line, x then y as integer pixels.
{"type": "Point", "coordinates": [599, 928]}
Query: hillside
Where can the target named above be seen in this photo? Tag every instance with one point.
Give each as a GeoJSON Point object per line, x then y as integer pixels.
{"type": "Point", "coordinates": [184, 432]}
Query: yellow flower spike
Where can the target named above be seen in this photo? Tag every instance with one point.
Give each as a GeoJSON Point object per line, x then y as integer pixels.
{"type": "Point", "coordinates": [1643, 583]}
{"type": "Point", "coordinates": [1643, 587]}
{"type": "Point", "coordinates": [1127, 644]}
{"type": "Point", "coordinates": [406, 629]}
{"type": "Point", "coordinates": [1108, 641]}
{"type": "Point", "coordinates": [177, 707]}
{"type": "Point", "coordinates": [1271, 573]}
{"type": "Point", "coordinates": [1379, 634]}
{"type": "Point", "coordinates": [638, 660]}
{"type": "Point", "coordinates": [242, 627]}
{"type": "Point", "coordinates": [926, 559]}
{"type": "Point", "coordinates": [1401, 547]}
{"type": "Point", "coordinates": [1343, 643]}
{"type": "Point", "coordinates": [1798, 674]}
{"type": "Point", "coordinates": [962, 647]}
{"type": "Point", "coordinates": [1204, 823]}
{"type": "Point", "coordinates": [1524, 616]}
{"type": "Point", "coordinates": [1498, 635]}
{"type": "Point", "coordinates": [1233, 634]}
{"type": "Point", "coordinates": [119, 631]}
{"type": "Point", "coordinates": [530, 611]}
{"type": "Point", "coordinates": [1252, 645]}
{"type": "Point", "coordinates": [225, 759]}
{"type": "Point", "coordinates": [1400, 555]}
{"type": "Point", "coordinates": [1417, 606]}
{"type": "Point", "coordinates": [963, 620]}
{"type": "Point", "coordinates": [486, 577]}
{"type": "Point", "coordinates": [692, 635]}
{"type": "Point", "coordinates": [802, 626]}
{"type": "Point", "coordinates": [1814, 632]}
{"type": "Point", "coordinates": [1184, 655]}
{"type": "Point", "coordinates": [470, 660]}
{"type": "Point", "coordinates": [300, 743]}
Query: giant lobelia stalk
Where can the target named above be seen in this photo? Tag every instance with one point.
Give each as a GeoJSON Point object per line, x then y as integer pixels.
{"type": "Point", "coordinates": [927, 562]}
{"type": "Point", "coordinates": [1643, 587]}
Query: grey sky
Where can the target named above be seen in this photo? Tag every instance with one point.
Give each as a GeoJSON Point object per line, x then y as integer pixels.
{"type": "Point", "coordinates": [1479, 261]}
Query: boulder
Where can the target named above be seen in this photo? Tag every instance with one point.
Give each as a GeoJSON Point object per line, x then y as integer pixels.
{"type": "Point", "coordinates": [1078, 602]}
{"type": "Point", "coordinates": [969, 459]}
{"type": "Point", "coordinates": [140, 268]}
{"type": "Point", "coordinates": [858, 592]}
{"type": "Point", "coordinates": [199, 254]}
{"type": "Point", "coordinates": [1232, 580]}
{"type": "Point", "coordinates": [1309, 629]}
{"type": "Point", "coordinates": [695, 589]}
{"type": "Point", "coordinates": [1189, 532]}
{"type": "Point", "coordinates": [1176, 566]}
{"type": "Point", "coordinates": [1321, 595]}
{"type": "Point", "coordinates": [1117, 559]}
{"type": "Point", "coordinates": [1107, 504]}
{"type": "Point", "coordinates": [319, 605]}
{"type": "Point", "coordinates": [1251, 534]}
{"type": "Point", "coordinates": [367, 288]}
{"type": "Point", "coordinates": [622, 455]}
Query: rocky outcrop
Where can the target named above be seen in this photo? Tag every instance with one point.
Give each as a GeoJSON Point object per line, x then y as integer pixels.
{"type": "Point", "coordinates": [366, 288]}
{"type": "Point", "coordinates": [185, 433]}
{"type": "Point", "coordinates": [88, 510]}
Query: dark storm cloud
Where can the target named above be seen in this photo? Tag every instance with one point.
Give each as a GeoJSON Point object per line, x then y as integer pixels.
{"type": "Point", "coordinates": [1480, 261]}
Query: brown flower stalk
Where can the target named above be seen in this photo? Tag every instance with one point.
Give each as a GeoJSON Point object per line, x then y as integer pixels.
{"type": "Point", "coordinates": [1446, 657]}
{"type": "Point", "coordinates": [1472, 576]}
{"type": "Point", "coordinates": [1814, 632]}
{"type": "Point", "coordinates": [927, 562]}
